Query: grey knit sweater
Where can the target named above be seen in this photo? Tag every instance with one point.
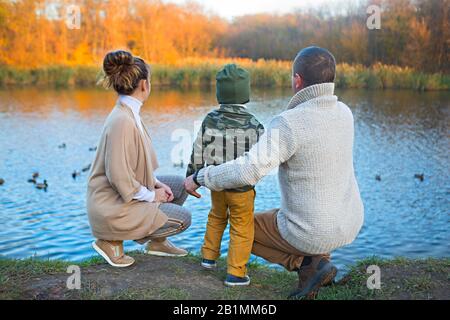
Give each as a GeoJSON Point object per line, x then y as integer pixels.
{"type": "Point", "coordinates": [311, 143]}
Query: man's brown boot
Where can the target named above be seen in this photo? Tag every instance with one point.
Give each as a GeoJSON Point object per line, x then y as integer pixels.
{"type": "Point", "coordinates": [113, 253]}
{"type": "Point", "coordinates": [315, 272]}
{"type": "Point", "coordinates": [164, 248]}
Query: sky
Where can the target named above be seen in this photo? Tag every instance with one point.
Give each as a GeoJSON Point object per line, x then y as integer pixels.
{"type": "Point", "coordinates": [231, 8]}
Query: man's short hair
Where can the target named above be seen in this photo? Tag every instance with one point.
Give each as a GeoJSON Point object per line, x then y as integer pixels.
{"type": "Point", "coordinates": [315, 65]}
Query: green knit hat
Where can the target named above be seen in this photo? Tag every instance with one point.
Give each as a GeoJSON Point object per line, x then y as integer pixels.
{"type": "Point", "coordinates": [233, 85]}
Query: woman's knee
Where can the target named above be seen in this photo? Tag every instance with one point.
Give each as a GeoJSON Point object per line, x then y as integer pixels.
{"type": "Point", "coordinates": [178, 212]}
{"type": "Point", "coordinates": [187, 217]}
{"type": "Point", "coordinates": [184, 218]}
{"type": "Point", "coordinates": [172, 180]}
{"type": "Point", "coordinates": [176, 183]}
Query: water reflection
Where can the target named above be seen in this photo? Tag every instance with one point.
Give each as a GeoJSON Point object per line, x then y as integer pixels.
{"type": "Point", "coordinates": [88, 102]}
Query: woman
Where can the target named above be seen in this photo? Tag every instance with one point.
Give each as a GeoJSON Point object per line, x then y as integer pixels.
{"type": "Point", "coordinates": [125, 201]}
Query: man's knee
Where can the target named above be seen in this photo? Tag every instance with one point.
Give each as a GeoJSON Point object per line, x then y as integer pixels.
{"type": "Point", "coordinates": [264, 222]}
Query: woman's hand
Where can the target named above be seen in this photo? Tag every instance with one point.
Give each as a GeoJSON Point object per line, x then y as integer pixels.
{"type": "Point", "coordinates": [161, 195]}
{"type": "Point", "coordinates": [167, 190]}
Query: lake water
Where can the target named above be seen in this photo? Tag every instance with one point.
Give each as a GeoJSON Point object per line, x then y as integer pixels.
{"type": "Point", "coordinates": [398, 134]}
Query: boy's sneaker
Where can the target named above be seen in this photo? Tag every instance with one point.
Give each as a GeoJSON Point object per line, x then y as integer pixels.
{"type": "Point", "coordinates": [233, 281]}
{"type": "Point", "coordinates": [209, 264]}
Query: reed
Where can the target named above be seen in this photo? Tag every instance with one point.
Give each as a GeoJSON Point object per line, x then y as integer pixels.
{"type": "Point", "coordinates": [381, 76]}
{"type": "Point", "coordinates": [194, 72]}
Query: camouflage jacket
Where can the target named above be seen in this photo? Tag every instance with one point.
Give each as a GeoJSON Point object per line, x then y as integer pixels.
{"type": "Point", "coordinates": [225, 134]}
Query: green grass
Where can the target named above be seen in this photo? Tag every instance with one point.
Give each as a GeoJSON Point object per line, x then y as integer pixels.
{"type": "Point", "coordinates": [263, 74]}
{"type": "Point", "coordinates": [32, 266]}
{"type": "Point", "coordinates": [400, 278]}
{"type": "Point", "coordinates": [263, 279]}
{"type": "Point", "coordinates": [353, 285]}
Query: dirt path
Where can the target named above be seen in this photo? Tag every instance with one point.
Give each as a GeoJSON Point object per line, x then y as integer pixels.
{"type": "Point", "coordinates": [150, 278]}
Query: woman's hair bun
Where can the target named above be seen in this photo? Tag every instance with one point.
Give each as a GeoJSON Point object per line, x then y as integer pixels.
{"type": "Point", "coordinates": [123, 71]}
{"type": "Point", "coordinates": [117, 61]}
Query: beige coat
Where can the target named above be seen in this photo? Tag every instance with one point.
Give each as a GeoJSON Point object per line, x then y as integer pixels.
{"type": "Point", "coordinates": [124, 161]}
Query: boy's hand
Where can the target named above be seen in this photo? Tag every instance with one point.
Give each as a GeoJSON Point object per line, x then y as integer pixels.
{"type": "Point", "coordinates": [191, 187]}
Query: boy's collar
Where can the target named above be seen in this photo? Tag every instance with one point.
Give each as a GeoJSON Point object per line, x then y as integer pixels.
{"type": "Point", "coordinates": [234, 104]}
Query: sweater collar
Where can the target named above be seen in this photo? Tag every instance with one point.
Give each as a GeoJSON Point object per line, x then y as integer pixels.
{"type": "Point", "coordinates": [311, 92]}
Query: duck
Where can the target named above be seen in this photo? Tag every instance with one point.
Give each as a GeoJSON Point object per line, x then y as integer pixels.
{"type": "Point", "coordinates": [34, 176]}
{"type": "Point", "coordinates": [42, 186]}
{"type": "Point", "coordinates": [378, 177]}
{"type": "Point", "coordinates": [2, 181]}
{"type": "Point", "coordinates": [420, 176]}
{"type": "Point", "coordinates": [62, 146]}
{"type": "Point", "coordinates": [93, 149]}
{"type": "Point", "coordinates": [87, 168]}
{"type": "Point", "coordinates": [75, 174]}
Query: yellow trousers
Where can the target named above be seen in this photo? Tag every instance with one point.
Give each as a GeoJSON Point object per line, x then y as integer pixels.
{"type": "Point", "coordinates": [238, 208]}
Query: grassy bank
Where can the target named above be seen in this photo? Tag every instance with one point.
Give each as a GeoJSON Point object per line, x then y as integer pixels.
{"type": "Point", "coordinates": [183, 278]}
{"type": "Point", "coordinates": [192, 73]}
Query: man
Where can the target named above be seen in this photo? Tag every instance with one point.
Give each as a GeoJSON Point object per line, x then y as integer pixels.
{"type": "Point", "coordinates": [311, 143]}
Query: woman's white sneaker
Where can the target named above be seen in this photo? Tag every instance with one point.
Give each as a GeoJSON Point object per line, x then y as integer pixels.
{"type": "Point", "coordinates": [112, 252]}
{"type": "Point", "coordinates": [165, 249]}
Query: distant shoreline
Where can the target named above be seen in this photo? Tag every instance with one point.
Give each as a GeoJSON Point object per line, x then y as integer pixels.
{"type": "Point", "coordinates": [183, 278]}
{"type": "Point", "coordinates": [264, 74]}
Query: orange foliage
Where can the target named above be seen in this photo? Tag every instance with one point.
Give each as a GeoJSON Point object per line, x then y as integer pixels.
{"type": "Point", "coordinates": [34, 33]}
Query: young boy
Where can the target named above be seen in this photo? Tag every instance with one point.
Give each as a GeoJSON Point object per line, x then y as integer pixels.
{"type": "Point", "coordinates": [225, 134]}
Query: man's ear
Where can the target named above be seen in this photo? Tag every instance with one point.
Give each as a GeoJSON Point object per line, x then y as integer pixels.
{"type": "Point", "coordinates": [298, 81]}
